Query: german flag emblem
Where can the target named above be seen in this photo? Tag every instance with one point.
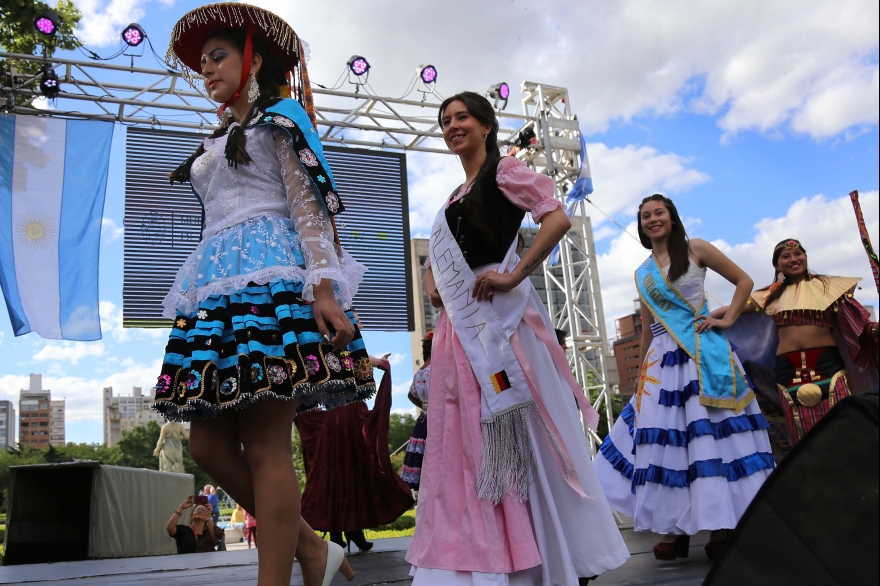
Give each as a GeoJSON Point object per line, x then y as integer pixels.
{"type": "Point", "coordinates": [500, 381]}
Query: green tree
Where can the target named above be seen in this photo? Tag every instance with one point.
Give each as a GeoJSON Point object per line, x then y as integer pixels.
{"type": "Point", "coordinates": [399, 430]}
{"type": "Point", "coordinates": [18, 35]}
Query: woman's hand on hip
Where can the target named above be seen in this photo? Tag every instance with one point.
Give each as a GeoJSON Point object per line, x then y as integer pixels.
{"type": "Point", "coordinates": [706, 323]}
{"type": "Point", "coordinates": [489, 281]}
{"type": "Point", "coordinates": [329, 314]}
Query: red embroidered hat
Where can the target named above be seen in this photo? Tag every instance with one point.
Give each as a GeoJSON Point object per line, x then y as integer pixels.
{"type": "Point", "coordinates": [189, 34]}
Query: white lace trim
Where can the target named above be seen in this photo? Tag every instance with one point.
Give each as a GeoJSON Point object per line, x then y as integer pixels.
{"type": "Point", "coordinates": [346, 283]}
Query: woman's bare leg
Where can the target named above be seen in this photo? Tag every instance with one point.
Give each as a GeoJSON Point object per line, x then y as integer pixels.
{"type": "Point", "coordinates": [265, 431]}
{"type": "Point", "coordinates": [216, 446]}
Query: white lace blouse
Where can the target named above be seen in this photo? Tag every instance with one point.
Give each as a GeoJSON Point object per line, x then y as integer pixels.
{"type": "Point", "coordinates": [263, 221]}
{"type": "Point", "coordinates": [690, 284]}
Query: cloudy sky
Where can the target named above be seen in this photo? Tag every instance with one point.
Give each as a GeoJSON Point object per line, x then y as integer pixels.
{"type": "Point", "coordinates": [756, 117]}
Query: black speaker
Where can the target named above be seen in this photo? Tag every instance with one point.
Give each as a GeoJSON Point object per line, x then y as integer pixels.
{"type": "Point", "coordinates": [815, 520]}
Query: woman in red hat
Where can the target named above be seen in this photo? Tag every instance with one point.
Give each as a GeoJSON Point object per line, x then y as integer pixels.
{"type": "Point", "coordinates": [262, 326]}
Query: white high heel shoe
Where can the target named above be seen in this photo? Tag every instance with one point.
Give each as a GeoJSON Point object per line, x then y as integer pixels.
{"type": "Point", "coordinates": [336, 562]}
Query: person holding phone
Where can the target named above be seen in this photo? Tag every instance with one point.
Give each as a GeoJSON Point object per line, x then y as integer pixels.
{"type": "Point", "coordinates": [200, 535]}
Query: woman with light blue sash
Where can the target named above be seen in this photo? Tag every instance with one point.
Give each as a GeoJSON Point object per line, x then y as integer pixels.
{"type": "Point", "coordinates": [690, 450]}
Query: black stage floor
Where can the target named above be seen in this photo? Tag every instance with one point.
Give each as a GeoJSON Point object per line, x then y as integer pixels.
{"type": "Point", "coordinates": [384, 565]}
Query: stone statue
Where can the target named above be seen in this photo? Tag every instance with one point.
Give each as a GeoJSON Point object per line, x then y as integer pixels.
{"type": "Point", "coordinates": [169, 448]}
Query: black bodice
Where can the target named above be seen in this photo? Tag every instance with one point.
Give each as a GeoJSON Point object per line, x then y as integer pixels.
{"type": "Point", "coordinates": [482, 246]}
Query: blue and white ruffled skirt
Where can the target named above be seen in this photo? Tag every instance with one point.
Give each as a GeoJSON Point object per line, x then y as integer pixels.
{"type": "Point", "coordinates": [675, 466]}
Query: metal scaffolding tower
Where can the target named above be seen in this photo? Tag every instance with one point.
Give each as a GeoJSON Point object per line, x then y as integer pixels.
{"type": "Point", "coordinates": [160, 98]}
{"type": "Point", "coordinates": [574, 298]}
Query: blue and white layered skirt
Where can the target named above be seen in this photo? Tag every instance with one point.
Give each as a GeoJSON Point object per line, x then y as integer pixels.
{"type": "Point", "coordinates": [676, 466]}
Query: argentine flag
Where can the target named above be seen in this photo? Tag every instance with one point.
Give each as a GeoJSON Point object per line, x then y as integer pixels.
{"type": "Point", "coordinates": [583, 186]}
{"type": "Point", "coordinates": [53, 175]}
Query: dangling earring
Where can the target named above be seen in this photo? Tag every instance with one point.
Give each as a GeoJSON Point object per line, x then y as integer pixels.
{"type": "Point", "coordinates": [484, 137]}
{"type": "Point", "coordinates": [253, 90]}
{"type": "Point", "coordinates": [780, 276]}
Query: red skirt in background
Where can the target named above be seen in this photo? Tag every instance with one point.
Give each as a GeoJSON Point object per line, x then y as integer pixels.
{"type": "Point", "coordinates": [350, 482]}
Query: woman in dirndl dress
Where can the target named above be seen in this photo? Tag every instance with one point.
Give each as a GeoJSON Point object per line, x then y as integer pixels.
{"type": "Point", "coordinates": [261, 321]}
{"type": "Point", "coordinates": [418, 395]}
{"type": "Point", "coordinates": [690, 450]}
{"type": "Point", "coordinates": [508, 495]}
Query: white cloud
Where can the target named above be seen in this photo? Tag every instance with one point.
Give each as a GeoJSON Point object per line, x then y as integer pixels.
{"type": "Point", "coordinates": [401, 388]}
{"type": "Point", "coordinates": [826, 227]}
{"type": "Point", "coordinates": [832, 243]}
{"type": "Point", "coordinates": [111, 325]}
{"type": "Point", "coordinates": [2, 335]}
{"type": "Point", "coordinates": [626, 175]}
{"type": "Point", "coordinates": [42, 103]}
{"type": "Point", "coordinates": [102, 22]}
{"type": "Point", "coordinates": [111, 230]}
{"type": "Point", "coordinates": [83, 397]}
{"type": "Point", "coordinates": [71, 352]}
{"type": "Point", "coordinates": [397, 358]}
{"type": "Point", "coordinates": [808, 67]}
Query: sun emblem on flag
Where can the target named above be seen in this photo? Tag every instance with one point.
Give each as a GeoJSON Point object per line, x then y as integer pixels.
{"type": "Point", "coordinates": [35, 231]}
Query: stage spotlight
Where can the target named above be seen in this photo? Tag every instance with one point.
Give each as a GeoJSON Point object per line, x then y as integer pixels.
{"type": "Point", "coordinates": [133, 35]}
{"type": "Point", "coordinates": [48, 22]}
{"type": "Point", "coordinates": [499, 92]}
{"type": "Point", "coordinates": [358, 65]}
{"type": "Point", "coordinates": [428, 73]}
{"type": "Point", "coordinates": [49, 83]}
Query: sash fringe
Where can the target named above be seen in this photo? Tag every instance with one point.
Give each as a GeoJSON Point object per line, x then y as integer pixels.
{"type": "Point", "coordinates": [508, 454]}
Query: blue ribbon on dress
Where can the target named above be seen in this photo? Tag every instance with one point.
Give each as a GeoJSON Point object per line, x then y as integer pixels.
{"type": "Point", "coordinates": [721, 381]}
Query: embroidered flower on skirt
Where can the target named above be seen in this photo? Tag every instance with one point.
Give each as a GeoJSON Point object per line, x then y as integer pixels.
{"type": "Point", "coordinates": [332, 202]}
{"type": "Point", "coordinates": [276, 374]}
{"type": "Point", "coordinates": [333, 362]}
{"type": "Point", "coordinates": [163, 383]}
{"type": "Point", "coordinates": [246, 360]}
{"type": "Point", "coordinates": [193, 379]}
{"type": "Point", "coordinates": [312, 366]}
{"type": "Point", "coordinates": [202, 314]}
{"type": "Point", "coordinates": [363, 369]}
{"type": "Point", "coordinates": [308, 158]}
{"type": "Point", "coordinates": [229, 386]}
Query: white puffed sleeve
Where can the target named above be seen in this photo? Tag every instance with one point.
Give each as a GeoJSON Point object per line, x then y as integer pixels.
{"type": "Point", "coordinates": [323, 258]}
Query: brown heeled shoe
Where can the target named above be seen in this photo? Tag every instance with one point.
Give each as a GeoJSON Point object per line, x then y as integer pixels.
{"type": "Point", "coordinates": [714, 548]}
{"type": "Point", "coordinates": [669, 551]}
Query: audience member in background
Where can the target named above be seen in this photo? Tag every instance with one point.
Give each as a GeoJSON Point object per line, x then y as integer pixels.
{"type": "Point", "coordinates": [418, 396]}
{"type": "Point", "coordinates": [238, 520]}
{"type": "Point", "coordinates": [561, 336]}
{"type": "Point", "coordinates": [200, 535]}
{"type": "Point", "coordinates": [214, 501]}
{"type": "Point", "coordinates": [251, 526]}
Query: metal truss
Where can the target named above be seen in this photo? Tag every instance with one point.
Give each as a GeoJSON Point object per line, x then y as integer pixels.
{"type": "Point", "coordinates": [574, 298]}
{"type": "Point", "coordinates": [161, 98]}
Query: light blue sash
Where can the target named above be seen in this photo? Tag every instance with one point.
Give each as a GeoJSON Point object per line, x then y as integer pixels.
{"type": "Point", "coordinates": [722, 383]}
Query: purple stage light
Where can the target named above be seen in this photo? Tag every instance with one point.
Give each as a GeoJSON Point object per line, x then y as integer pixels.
{"type": "Point", "coordinates": [48, 22]}
{"type": "Point", "coordinates": [504, 91]}
{"type": "Point", "coordinates": [428, 74]}
{"type": "Point", "coordinates": [133, 35]}
{"type": "Point", "coordinates": [358, 65]}
{"type": "Point", "coordinates": [45, 26]}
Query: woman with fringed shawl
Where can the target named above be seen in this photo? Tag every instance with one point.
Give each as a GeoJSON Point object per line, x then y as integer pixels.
{"type": "Point", "coordinates": [815, 342]}
{"type": "Point", "coordinates": [690, 450]}
{"type": "Point", "coordinates": [508, 495]}
{"type": "Point", "coordinates": [262, 326]}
